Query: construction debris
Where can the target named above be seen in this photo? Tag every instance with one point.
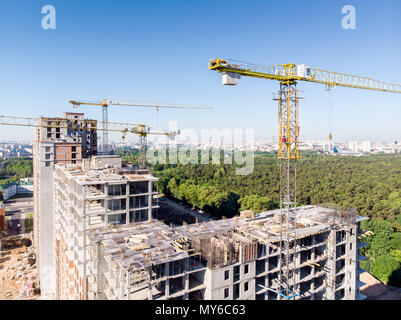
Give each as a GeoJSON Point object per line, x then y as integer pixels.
{"type": "Point", "coordinates": [18, 274]}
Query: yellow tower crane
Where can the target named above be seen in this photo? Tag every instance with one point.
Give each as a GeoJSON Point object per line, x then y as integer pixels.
{"type": "Point", "coordinates": [105, 103]}
{"type": "Point", "coordinates": [141, 130]}
{"type": "Point", "coordinates": [288, 142]}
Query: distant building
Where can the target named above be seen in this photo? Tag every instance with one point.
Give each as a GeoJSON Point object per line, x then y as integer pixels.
{"type": "Point", "coordinates": [23, 186]}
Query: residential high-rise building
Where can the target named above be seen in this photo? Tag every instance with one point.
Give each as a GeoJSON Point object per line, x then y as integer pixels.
{"type": "Point", "coordinates": [65, 140]}
{"type": "Point", "coordinates": [102, 192]}
{"type": "Point", "coordinates": [229, 259]}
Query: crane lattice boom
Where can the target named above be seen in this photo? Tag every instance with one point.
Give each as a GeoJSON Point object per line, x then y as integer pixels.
{"type": "Point", "coordinates": [301, 72]}
{"type": "Point", "coordinates": [105, 103]}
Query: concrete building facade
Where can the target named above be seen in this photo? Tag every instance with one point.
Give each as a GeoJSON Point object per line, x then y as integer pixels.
{"type": "Point", "coordinates": [102, 195]}
{"type": "Point", "coordinates": [57, 141]}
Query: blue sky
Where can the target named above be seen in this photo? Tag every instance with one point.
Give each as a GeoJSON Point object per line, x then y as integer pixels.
{"type": "Point", "coordinates": [159, 51]}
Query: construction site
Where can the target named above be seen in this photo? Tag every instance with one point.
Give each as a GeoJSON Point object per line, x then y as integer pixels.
{"type": "Point", "coordinates": [96, 235]}
{"type": "Point", "coordinates": [218, 206]}
{"type": "Point", "coordinates": [230, 259]}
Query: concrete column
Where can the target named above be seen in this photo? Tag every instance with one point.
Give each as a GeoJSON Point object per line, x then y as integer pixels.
{"type": "Point", "coordinates": [122, 283]}
{"type": "Point", "coordinates": [150, 293]}
{"type": "Point", "coordinates": [84, 243]}
{"type": "Point", "coordinates": [167, 282]}
{"type": "Point", "coordinates": [127, 217]}
{"type": "Point", "coordinates": [297, 258]}
{"type": "Point", "coordinates": [313, 256]}
{"type": "Point", "coordinates": [128, 285]}
{"type": "Point", "coordinates": [97, 263]}
{"type": "Point", "coordinates": [331, 264]}
{"type": "Point", "coordinates": [106, 203]}
{"type": "Point", "coordinates": [150, 187]}
{"type": "Point", "coordinates": [186, 281]}
{"type": "Point", "coordinates": [351, 264]}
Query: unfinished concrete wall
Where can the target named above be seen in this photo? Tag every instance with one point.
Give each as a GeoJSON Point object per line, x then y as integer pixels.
{"type": "Point", "coordinates": [45, 222]}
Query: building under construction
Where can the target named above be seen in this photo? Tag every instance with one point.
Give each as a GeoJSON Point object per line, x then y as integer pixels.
{"type": "Point", "coordinates": [106, 207]}
{"type": "Point", "coordinates": [96, 238]}
{"type": "Point", "coordinates": [65, 140]}
{"type": "Point", "coordinates": [236, 258]}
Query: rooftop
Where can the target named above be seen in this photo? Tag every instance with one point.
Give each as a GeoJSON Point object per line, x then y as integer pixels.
{"type": "Point", "coordinates": [108, 174]}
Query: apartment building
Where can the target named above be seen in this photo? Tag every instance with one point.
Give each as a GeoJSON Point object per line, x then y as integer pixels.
{"type": "Point", "coordinates": [102, 192]}
{"type": "Point", "coordinates": [230, 259]}
{"type": "Point", "coordinates": [65, 140]}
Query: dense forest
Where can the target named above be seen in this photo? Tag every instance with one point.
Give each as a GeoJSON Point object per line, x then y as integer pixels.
{"type": "Point", "coordinates": [21, 167]}
{"type": "Point", "coordinates": [369, 184]}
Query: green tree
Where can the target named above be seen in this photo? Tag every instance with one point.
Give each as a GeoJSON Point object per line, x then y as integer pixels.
{"type": "Point", "coordinates": [384, 267]}
{"type": "Point", "coordinates": [256, 203]}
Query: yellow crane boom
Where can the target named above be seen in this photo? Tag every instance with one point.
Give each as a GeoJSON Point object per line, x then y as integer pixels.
{"type": "Point", "coordinates": [302, 72]}
{"type": "Point", "coordinates": [105, 103]}
{"type": "Point", "coordinates": [288, 143]}
{"type": "Point", "coordinates": [141, 130]}
{"type": "Point", "coordinates": [64, 123]}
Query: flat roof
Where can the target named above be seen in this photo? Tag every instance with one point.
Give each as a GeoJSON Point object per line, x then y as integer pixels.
{"type": "Point", "coordinates": [102, 176]}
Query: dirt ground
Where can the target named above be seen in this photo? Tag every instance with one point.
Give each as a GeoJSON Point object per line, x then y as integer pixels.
{"type": "Point", "coordinates": [376, 290]}
{"type": "Point", "coordinates": [18, 274]}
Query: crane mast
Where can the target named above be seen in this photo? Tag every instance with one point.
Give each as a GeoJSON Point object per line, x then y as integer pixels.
{"type": "Point", "coordinates": [141, 130]}
{"type": "Point", "coordinates": [105, 103]}
{"type": "Point", "coordinates": [288, 154]}
{"type": "Point", "coordinates": [288, 142]}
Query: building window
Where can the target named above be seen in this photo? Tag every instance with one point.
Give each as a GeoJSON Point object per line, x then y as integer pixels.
{"type": "Point", "coordinates": [47, 149]}
{"type": "Point", "coordinates": [47, 156]}
{"type": "Point", "coordinates": [236, 273]}
{"type": "Point", "coordinates": [226, 293]}
{"type": "Point", "coordinates": [47, 164]}
{"type": "Point", "coordinates": [246, 268]}
{"type": "Point", "coordinates": [74, 149]}
{"type": "Point", "coordinates": [226, 274]}
{"type": "Point", "coordinates": [246, 286]}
